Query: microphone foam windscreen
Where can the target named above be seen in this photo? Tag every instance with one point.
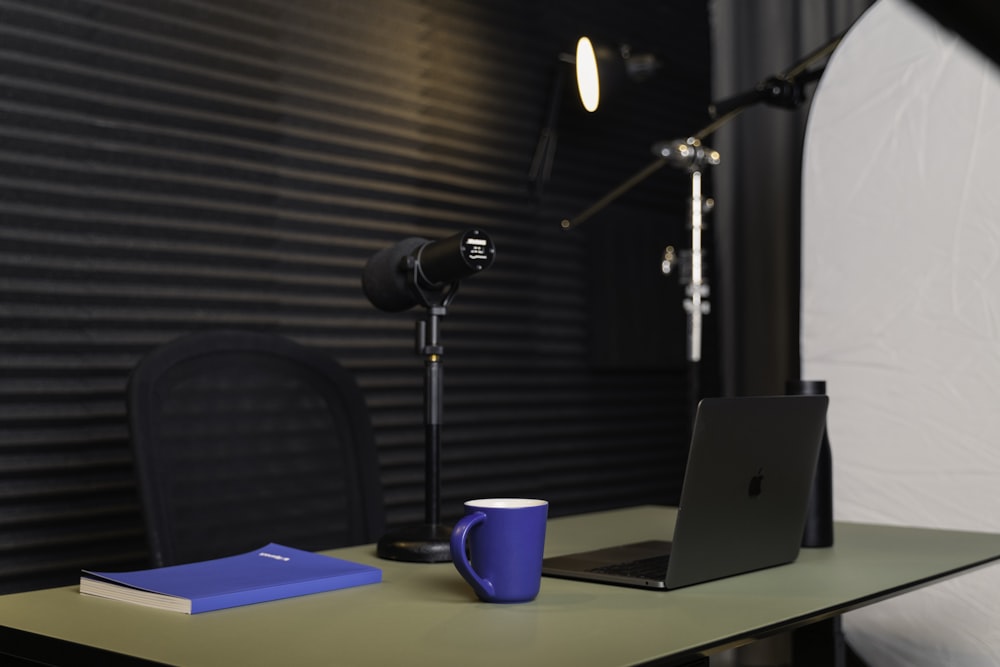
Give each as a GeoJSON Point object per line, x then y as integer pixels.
{"type": "Point", "coordinates": [384, 279]}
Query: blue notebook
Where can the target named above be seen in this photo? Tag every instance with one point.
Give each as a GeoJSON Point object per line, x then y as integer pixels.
{"type": "Point", "coordinates": [272, 572]}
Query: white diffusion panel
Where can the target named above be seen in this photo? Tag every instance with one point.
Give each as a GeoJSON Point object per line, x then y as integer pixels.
{"type": "Point", "coordinates": [901, 311]}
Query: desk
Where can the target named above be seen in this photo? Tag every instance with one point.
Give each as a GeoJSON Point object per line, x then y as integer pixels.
{"type": "Point", "coordinates": [425, 614]}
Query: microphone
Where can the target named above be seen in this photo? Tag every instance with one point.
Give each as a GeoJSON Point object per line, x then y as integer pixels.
{"type": "Point", "coordinates": [396, 278]}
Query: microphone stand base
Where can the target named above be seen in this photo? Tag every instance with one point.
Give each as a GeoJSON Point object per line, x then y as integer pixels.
{"type": "Point", "coordinates": [425, 543]}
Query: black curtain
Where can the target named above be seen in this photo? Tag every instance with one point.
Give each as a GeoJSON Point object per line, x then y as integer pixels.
{"type": "Point", "coordinates": [757, 185]}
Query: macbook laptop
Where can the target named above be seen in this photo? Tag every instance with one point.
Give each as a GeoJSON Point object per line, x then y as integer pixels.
{"type": "Point", "coordinates": [743, 503]}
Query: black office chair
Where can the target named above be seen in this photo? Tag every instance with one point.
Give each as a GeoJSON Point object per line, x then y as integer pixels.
{"type": "Point", "coordinates": [244, 438]}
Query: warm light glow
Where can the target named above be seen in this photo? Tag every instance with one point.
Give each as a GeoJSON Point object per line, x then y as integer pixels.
{"type": "Point", "coordinates": [587, 80]}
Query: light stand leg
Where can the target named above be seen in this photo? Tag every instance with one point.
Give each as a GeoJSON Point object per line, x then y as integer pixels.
{"type": "Point", "coordinates": [430, 541]}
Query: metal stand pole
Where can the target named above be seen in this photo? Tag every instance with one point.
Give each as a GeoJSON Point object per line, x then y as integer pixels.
{"type": "Point", "coordinates": [428, 542]}
{"type": "Point", "coordinates": [696, 292]}
{"type": "Point", "coordinates": [433, 406]}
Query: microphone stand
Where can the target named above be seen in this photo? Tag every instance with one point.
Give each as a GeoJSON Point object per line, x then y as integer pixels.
{"type": "Point", "coordinates": [429, 542]}
{"type": "Point", "coordinates": [783, 90]}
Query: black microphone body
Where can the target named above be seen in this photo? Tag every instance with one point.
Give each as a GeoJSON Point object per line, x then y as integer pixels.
{"type": "Point", "coordinates": [396, 278]}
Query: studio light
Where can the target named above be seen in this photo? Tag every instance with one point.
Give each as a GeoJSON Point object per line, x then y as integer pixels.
{"type": "Point", "coordinates": [601, 68]}
{"type": "Point", "coordinates": [599, 71]}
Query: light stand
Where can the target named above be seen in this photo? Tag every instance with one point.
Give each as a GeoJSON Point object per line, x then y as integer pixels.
{"type": "Point", "coordinates": [783, 90]}
{"type": "Point", "coordinates": [691, 155]}
{"type": "Point", "coordinates": [428, 542]}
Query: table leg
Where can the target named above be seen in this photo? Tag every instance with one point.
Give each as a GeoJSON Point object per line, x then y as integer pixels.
{"type": "Point", "coordinates": [820, 644]}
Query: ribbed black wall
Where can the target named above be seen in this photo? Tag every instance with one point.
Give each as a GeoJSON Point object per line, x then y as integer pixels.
{"type": "Point", "coordinates": [171, 166]}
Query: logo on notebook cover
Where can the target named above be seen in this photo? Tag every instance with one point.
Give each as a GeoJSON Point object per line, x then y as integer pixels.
{"type": "Point", "coordinates": [756, 484]}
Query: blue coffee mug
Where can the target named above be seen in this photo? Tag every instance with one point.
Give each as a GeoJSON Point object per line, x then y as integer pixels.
{"type": "Point", "coordinates": [498, 546]}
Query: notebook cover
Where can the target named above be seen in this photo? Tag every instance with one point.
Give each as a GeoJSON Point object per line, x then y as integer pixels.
{"type": "Point", "coordinates": [272, 572]}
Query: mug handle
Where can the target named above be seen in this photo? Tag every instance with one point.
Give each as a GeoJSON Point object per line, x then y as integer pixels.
{"type": "Point", "coordinates": [459, 555]}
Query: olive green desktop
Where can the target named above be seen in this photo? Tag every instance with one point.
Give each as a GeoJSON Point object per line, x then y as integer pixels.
{"type": "Point", "coordinates": [425, 614]}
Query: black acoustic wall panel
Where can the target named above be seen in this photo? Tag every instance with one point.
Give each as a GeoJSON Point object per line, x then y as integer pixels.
{"type": "Point", "coordinates": [172, 166]}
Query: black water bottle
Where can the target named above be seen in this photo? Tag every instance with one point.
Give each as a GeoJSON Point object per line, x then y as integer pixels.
{"type": "Point", "coordinates": [819, 521]}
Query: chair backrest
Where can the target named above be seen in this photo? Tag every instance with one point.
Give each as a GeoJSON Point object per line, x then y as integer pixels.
{"type": "Point", "coordinates": [243, 438]}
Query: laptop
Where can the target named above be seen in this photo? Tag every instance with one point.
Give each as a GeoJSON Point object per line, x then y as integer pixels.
{"type": "Point", "coordinates": [743, 503]}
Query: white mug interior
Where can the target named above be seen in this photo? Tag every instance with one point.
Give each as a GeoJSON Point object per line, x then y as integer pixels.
{"type": "Point", "coordinates": [505, 503]}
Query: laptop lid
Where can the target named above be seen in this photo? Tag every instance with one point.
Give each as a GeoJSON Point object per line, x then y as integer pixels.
{"type": "Point", "coordinates": [746, 488]}
{"type": "Point", "coordinates": [744, 499]}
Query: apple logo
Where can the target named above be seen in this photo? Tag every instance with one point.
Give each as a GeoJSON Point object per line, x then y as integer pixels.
{"type": "Point", "coordinates": [755, 483]}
